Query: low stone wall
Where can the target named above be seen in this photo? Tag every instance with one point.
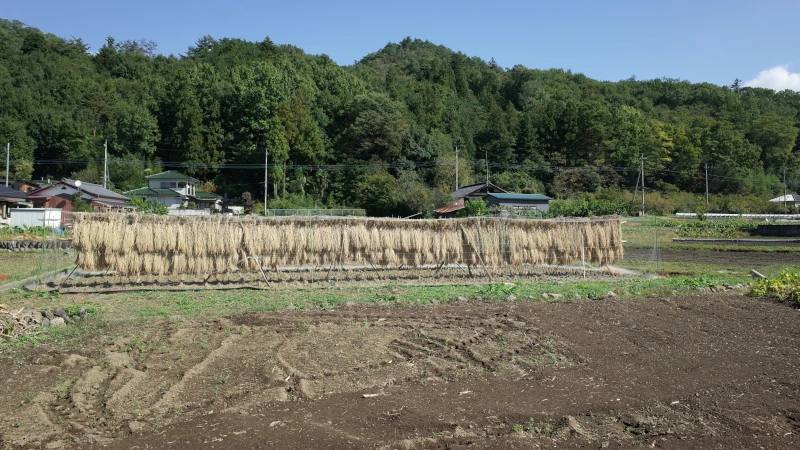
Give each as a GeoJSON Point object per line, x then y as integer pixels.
{"type": "Point", "coordinates": [20, 246]}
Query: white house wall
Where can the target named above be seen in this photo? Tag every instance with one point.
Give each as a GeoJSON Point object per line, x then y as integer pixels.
{"type": "Point", "coordinates": [188, 188]}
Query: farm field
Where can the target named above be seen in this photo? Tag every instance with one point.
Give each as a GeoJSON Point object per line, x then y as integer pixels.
{"type": "Point", "coordinates": [686, 371]}
{"type": "Point", "coordinates": [18, 266]}
{"type": "Point", "coordinates": [651, 362]}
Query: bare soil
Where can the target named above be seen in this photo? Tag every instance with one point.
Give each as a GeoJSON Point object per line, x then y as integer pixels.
{"type": "Point", "coordinates": [754, 260]}
{"type": "Point", "coordinates": [698, 371]}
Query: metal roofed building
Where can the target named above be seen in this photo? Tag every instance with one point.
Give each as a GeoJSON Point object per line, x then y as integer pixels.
{"type": "Point", "coordinates": [470, 192]}
{"type": "Point", "coordinates": [494, 196]}
{"type": "Point", "coordinates": [790, 199]}
{"type": "Point", "coordinates": [535, 202]}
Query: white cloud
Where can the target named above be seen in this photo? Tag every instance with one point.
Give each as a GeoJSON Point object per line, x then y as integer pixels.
{"type": "Point", "coordinates": [778, 78]}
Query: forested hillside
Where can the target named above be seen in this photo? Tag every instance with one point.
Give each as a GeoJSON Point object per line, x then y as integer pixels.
{"type": "Point", "coordinates": [381, 133]}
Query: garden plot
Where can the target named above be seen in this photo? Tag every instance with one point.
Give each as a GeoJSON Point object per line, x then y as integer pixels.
{"type": "Point", "coordinates": [697, 371]}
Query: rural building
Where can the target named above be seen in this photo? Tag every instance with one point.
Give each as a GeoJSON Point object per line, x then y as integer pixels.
{"type": "Point", "coordinates": [496, 197]}
{"type": "Point", "coordinates": [791, 200]}
{"type": "Point", "coordinates": [10, 198]}
{"type": "Point", "coordinates": [29, 186]}
{"type": "Point", "coordinates": [60, 194]}
{"type": "Point", "coordinates": [471, 192]}
{"type": "Point", "coordinates": [175, 189]}
{"type": "Point", "coordinates": [36, 217]}
{"type": "Point", "coordinates": [523, 202]}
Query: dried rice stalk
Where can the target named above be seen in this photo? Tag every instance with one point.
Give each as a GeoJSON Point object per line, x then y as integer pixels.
{"type": "Point", "coordinates": [204, 245]}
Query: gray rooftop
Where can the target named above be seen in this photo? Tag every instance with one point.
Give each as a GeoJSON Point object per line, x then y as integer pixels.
{"type": "Point", "coordinates": [787, 197]}
{"type": "Point", "coordinates": [515, 196]}
{"type": "Point", "coordinates": [464, 191]}
{"type": "Point", "coordinates": [95, 189]}
{"type": "Point", "coordinates": [13, 193]}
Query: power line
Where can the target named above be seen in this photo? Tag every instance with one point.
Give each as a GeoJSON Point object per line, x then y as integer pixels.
{"type": "Point", "coordinates": [400, 165]}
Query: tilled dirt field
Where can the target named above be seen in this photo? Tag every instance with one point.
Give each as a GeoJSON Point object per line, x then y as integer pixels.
{"type": "Point", "coordinates": [754, 260]}
{"type": "Point", "coordinates": [699, 371]}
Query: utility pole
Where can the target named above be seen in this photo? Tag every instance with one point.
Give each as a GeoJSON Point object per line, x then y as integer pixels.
{"type": "Point", "coordinates": [486, 158]}
{"type": "Point", "coordinates": [8, 160]}
{"type": "Point", "coordinates": [105, 163]}
{"type": "Point", "coordinates": [784, 187]}
{"type": "Point", "coordinates": [642, 170]}
{"type": "Point", "coordinates": [706, 184]}
{"type": "Point", "coordinates": [456, 168]}
{"type": "Point", "coordinates": [266, 178]}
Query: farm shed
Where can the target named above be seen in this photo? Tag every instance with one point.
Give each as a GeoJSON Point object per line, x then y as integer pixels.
{"type": "Point", "coordinates": [462, 194]}
{"type": "Point", "coordinates": [536, 202]}
{"type": "Point", "coordinates": [36, 217]}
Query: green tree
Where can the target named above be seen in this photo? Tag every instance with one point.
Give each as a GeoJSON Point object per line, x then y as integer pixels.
{"type": "Point", "coordinates": [79, 204]}
{"type": "Point", "coordinates": [473, 208]}
{"type": "Point", "coordinates": [12, 132]}
{"type": "Point", "coordinates": [373, 126]}
{"type": "Point", "coordinates": [149, 206]}
{"type": "Point", "coordinates": [776, 136]}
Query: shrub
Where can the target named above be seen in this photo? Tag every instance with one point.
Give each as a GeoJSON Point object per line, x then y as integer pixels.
{"type": "Point", "coordinates": [292, 201]}
{"type": "Point", "coordinates": [79, 204]}
{"type": "Point", "coordinates": [659, 222]}
{"type": "Point", "coordinates": [785, 286]}
{"type": "Point", "coordinates": [149, 206]}
{"type": "Point", "coordinates": [258, 208]}
{"type": "Point", "coordinates": [714, 228]}
{"type": "Point", "coordinates": [473, 208]}
{"type": "Point", "coordinates": [587, 207]}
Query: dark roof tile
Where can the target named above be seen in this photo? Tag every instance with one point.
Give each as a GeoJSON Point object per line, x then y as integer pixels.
{"type": "Point", "coordinates": [94, 189]}
{"type": "Point", "coordinates": [13, 193]}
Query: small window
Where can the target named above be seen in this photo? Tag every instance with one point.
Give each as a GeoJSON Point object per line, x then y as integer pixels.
{"type": "Point", "coordinates": [181, 184]}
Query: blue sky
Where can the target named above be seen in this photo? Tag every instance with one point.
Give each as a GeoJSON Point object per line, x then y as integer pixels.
{"type": "Point", "coordinates": [702, 40]}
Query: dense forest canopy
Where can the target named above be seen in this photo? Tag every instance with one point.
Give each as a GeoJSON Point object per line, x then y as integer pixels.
{"type": "Point", "coordinates": [381, 133]}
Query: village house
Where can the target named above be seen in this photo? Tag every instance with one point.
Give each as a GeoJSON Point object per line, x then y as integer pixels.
{"type": "Point", "coordinates": [59, 195]}
{"type": "Point", "coordinates": [28, 186]}
{"type": "Point", "coordinates": [177, 191]}
{"type": "Point", "coordinates": [10, 198]}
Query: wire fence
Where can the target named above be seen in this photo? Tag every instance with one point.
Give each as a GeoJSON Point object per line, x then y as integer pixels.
{"type": "Point", "coordinates": [33, 256]}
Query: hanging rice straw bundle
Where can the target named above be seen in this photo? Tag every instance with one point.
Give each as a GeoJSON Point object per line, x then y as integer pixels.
{"type": "Point", "coordinates": [169, 245]}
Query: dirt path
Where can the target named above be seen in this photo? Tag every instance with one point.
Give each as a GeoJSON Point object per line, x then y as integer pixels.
{"type": "Point", "coordinates": [705, 371]}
